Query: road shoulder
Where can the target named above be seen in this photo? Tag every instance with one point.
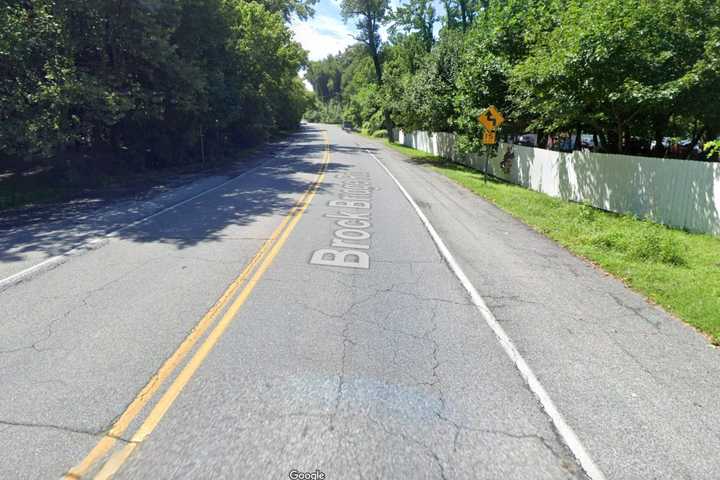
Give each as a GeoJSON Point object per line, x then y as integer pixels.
{"type": "Point", "coordinates": [618, 368]}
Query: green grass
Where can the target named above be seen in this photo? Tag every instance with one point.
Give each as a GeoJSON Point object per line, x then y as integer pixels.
{"type": "Point", "coordinates": [678, 270]}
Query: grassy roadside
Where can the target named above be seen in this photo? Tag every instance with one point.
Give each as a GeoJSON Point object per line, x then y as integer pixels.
{"type": "Point", "coordinates": [678, 270]}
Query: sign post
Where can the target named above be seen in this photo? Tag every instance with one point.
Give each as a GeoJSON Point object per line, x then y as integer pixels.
{"type": "Point", "coordinates": [488, 148]}
{"type": "Point", "coordinates": [490, 119]}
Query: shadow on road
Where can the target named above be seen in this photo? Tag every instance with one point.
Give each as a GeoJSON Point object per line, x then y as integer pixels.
{"type": "Point", "coordinates": [274, 188]}
{"type": "Point", "coordinates": [351, 150]}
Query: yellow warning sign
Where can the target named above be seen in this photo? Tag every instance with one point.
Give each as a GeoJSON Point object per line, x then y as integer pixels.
{"type": "Point", "coordinates": [497, 117]}
{"type": "Point", "coordinates": [491, 118]}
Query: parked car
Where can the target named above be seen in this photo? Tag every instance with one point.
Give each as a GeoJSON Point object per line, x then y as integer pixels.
{"type": "Point", "coordinates": [527, 139]}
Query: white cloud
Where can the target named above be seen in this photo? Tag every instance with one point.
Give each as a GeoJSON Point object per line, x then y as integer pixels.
{"type": "Point", "coordinates": [384, 33]}
{"type": "Point", "coordinates": [308, 85]}
{"type": "Point", "coordinates": [322, 36]}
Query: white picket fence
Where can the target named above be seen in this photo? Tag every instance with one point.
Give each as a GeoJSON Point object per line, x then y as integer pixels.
{"type": "Point", "coordinates": [678, 193]}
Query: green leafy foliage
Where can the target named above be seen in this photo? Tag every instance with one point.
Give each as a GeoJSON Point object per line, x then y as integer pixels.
{"type": "Point", "coordinates": [369, 16]}
{"type": "Point", "coordinates": [416, 16]}
{"type": "Point", "coordinates": [427, 98]}
{"type": "Point", "coordinates": [34, 82]}
{"type": "Point", "coordinates": [713, 148]}
{"type": "Point", "coordinates": [620, 67]}
{"type": "Point", "coordinates": [148, 81]}
{"type": "Point", "coordinates": [631, 73]}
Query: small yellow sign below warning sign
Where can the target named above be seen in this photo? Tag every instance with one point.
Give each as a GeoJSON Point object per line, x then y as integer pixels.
{"type": "Point", "coordinates": [489, 137]}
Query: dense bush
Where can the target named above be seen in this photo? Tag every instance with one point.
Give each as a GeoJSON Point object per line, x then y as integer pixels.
{"type": "Point", "coordinates": [325, 112]}
{"type": "Point", "coordinates": [144, 79]}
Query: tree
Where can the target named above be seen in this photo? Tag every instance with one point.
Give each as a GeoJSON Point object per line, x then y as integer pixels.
{"type": "Point", "coordinates": [427, 99]}
{"type": "Point", "coordinates": [325, 76]}
{"type": "Point", "coordinates": [336, 80]}
{"type": "Point", "coordinates": [35, 82]}
{"type": "Point", "coordinates": [303, 9]}
{"type": "Point", "coordinates": [496, 42]}
{"type": "Point", "coordinates": [370, 15]}
{"type": "Point", "coordinates": [144, 81]}
{"type": "Point", "coordinates": [416, 16]}
{"type": "Point", "coordinates": [623, 69]}
{"type": "Point", "coordinates": [461, 13]}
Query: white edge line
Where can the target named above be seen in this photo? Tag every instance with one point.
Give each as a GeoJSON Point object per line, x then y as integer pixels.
{"type": "Point", "coordinates": [565, 431]}
{"type": "Point", "coordinates": [58, 259]}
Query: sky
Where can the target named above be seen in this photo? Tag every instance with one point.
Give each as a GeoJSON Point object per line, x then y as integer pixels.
{"type": "Point", "coordinates": [326, 33]}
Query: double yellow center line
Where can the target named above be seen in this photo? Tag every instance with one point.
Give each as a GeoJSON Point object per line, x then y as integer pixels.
{"type": "Point", "coordinates": [254, 270]}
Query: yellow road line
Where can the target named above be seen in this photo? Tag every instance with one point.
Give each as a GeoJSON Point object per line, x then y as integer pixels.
{"type": "Point", "coordinates": [134, 408]}
{"type": "Point", "coordinates": [123, 422]}
{"type": "Point", "coordinates": [169, 397]}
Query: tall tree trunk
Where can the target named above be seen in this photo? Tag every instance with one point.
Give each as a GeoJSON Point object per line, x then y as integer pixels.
{"type": "Point", "coordinates": [695, 140]}
{"type": "Point", "coordinates": [115, 141]}
{"type": "Point", "coordinates": [578, 138]}
{"type": "Point", "coordinates": [375, 54]}
{"type": "Point", "coordinates": [378, 68]}
{"type": "Point", "coordinates": [388, 125]}
{"type": "Point", "coordinates": [659, 150]}
{"type": "Point", "coordinates": [627, 141]}
{"type": "Point", "coordinates": [541, 141]}
{"type": "Point", "coordinates": [614, 143]}
{"type": "Point", "coordinates": [374, 49]}
{"type": "Point", "coordinates": [604, 141]}
{"type": "Point", "coordinates": [660, 124]}
{"type": "Point", "coordinates": [450, 21]}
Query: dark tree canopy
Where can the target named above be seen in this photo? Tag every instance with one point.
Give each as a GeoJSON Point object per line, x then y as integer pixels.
{"type": "Point", "coordinates": [145, 79]}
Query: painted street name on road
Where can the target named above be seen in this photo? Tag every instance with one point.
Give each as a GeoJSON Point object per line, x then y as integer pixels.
{"type": "Point", "coordinates": [351, 241]}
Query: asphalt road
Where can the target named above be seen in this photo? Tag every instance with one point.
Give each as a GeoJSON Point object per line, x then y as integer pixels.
{"type": "Point", "coordinates": [302, 314]}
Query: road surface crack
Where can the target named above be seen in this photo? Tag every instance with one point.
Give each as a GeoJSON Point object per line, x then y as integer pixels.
{"type": "Point", "coordinates": [82, 303]}
{"type": "Point", "coordinates": [423, 298]}
{"type": "Point", "coordinates": [50, 426]}
{"type": "Point", "coordinates": [503, 301]}
{"type": "Point", "coordinates": [409, 439]}
{"type": "Point", "coordinates": [635, 359]}
{"type": "Point", "coordinates": [637, 311]}
{"type": "Point", "coordinates": [36, 343]}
